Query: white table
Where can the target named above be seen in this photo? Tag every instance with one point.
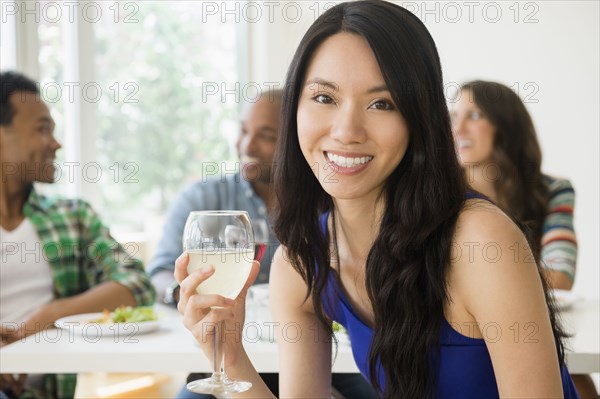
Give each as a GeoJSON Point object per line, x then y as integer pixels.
{"type": "Point", "coordinates": [172, 349]}
{"type": "Point", "coordinates": [583, 348]}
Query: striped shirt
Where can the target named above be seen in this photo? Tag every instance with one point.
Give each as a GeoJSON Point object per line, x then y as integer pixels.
{"type": "Point", "coordinates": [559, 243]}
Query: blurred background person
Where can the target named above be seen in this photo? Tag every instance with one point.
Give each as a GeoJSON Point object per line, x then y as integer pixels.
{"type": "Point", "coordinates": [499, 150]}
{"type": "Point", "coordinates": [248, 189]}
{"type": "Point", "coordinates": [58, 258]}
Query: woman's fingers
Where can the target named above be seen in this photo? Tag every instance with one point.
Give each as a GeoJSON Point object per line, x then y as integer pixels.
{"type": "Point", "coordinates": [203, 312]}
{"type": "Point", "coordinates": [207, 308]}
{"type": "Point", "coordinates": [190, 283]}
{"type": "Point", "coordinates": [206, 326]}
{"type": "Point", "coordinates": [188, 286]}
{"type": "Point", "coordinates": [181, 267]}
{"type": "Point", "coordinates": [253, 273]}
{"type": "Point", "coordinates": [251, 278]}
{"type": "Point", "coordinates": [202, 304]}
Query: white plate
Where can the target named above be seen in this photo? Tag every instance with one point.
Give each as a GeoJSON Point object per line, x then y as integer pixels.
{"type": "Point", "coordinates": [343, 338]}
{"type": "Point", "coordinates": [564, 299]}
{"type": "Point", "coordinates": [86, 325]}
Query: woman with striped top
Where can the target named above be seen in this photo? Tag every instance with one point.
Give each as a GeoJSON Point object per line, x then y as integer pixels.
{"type": "Point", "coordinates": [498, 148]}
{"type": "Point", "coordinates": [499, 151]}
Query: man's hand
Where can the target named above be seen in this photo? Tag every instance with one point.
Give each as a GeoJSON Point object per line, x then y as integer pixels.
{"type": "Point", "coordinates": [37, 321]}
{"type": "Point", "coordinates": [8, 381]}
{"type": "Point", "coordinates": [11, 332]}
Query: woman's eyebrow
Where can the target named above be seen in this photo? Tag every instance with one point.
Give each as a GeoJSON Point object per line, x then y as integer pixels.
{"type": "Point", "coordinates": [378, 89]}
{"type": "Point", "coordinates": [321, 82]}
{"type": "Point", "coordinates": [334, 87]}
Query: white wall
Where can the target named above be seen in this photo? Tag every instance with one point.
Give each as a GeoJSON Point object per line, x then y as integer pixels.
{"type": "Point", "coordinates": [553, 60]}
{"type": "Point", "coordinates": [558, 58]}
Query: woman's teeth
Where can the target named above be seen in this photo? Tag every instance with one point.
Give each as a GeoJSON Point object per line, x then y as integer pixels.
{"type": "Point", "coordinates": [464, 143]}
{"type": "Point", "coordinates": [347, 162]}
{"type": "Point", "coordinates": [248, 159]}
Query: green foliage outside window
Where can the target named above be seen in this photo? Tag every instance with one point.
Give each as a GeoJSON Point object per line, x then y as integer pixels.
{"type": "Point", "coordinates": [155, 129]}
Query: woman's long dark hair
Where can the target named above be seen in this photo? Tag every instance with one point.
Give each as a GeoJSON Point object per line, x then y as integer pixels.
{"type": "Point", "coordinates": [520, 188]}
{"type": "Point", "coordinates": [406, 269]}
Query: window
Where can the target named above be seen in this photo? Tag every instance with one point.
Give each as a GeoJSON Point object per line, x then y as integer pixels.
{"type": "Point", "coordinates": [8, 40]}
{"type": "Point", "coordinates": [154, 126]}
{"type": "Point", "coordinates": [126, 83]}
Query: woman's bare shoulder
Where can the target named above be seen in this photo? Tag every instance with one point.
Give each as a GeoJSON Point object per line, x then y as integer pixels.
{"type": "Point", "coordinates": [491, 256]}
{"type": "Point", "coordinates": [481, 218]}
{"type": "Point", "coordinates": [287, 287]}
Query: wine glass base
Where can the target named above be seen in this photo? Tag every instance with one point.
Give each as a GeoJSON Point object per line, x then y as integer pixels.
{"type": "Point", "coordinates": [213, 386]}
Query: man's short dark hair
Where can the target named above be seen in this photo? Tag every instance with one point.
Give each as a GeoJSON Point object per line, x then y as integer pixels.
{"type": "Point", "coordinates": [10, 83]}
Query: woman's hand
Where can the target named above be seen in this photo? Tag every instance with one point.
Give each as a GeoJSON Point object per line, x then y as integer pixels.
{"type": "Point", "coordinates": [200, 316]}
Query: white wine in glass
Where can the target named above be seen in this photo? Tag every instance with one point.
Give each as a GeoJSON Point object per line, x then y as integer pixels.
{"type": "Point", "coordinates": [225, 240]}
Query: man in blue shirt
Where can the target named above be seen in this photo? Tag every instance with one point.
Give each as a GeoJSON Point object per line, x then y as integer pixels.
{"type": "Point", "coordinates": [248, 189]}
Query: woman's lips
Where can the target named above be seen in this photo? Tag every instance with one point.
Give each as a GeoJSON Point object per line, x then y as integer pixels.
{"type": "Point", "coordinates": [347, 163]}
{"type": "Point", "coordinates": [462, 144]}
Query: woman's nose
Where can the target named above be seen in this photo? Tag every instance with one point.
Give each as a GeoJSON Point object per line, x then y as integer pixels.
{"type": "Point", "coordinates": [458, 125]}
{"type": "Point", "coordinates": [349, 126]}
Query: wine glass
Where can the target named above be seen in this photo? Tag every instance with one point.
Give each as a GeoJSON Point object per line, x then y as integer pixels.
{"type": "Point", "coordinates": [225, 240]}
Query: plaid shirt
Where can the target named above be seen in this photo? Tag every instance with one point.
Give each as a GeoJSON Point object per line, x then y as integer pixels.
{"type": "Point", "coordinates": [82, 254]}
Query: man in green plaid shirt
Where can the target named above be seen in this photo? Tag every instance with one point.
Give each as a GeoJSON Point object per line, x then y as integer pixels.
{"type": "Point", "coordinates": [84, 268]}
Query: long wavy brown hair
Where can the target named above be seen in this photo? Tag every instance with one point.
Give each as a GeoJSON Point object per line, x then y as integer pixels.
{"type": "Point", "coordinates": [407, 267]}
{"type": "Point", "coordinates": [520, 188]}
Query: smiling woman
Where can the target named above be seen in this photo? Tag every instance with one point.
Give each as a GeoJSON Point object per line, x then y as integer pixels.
{"type": "Point", "coordinates": [335, 116]}
{"type": "Point", "coordinates": [371, 200]}
{"type": "Point", "coordinates": [498, 148]}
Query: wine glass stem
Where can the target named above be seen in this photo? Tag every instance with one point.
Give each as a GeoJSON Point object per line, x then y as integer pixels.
{"type": "Point", "coordinates": [219, 353]}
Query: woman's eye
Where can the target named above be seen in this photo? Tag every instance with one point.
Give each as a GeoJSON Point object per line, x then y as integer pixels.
{"type": "Point", "coordinates": [268, 138]}
{"type": "Point", "coordinates": [383, 105]}
{"type": "Point", "coordinates": [323, 99]}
